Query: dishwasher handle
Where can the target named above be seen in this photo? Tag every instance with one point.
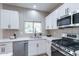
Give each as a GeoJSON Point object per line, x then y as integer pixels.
{"type": "Point", "coordinates": [26, 49]}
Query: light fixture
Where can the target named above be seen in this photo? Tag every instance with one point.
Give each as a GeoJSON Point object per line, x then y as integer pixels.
{"type": "Point", "coordinates": [34, 6]}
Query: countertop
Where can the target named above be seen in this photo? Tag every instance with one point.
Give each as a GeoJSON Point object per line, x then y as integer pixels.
{"type": "Point", "coordinates": [50, 38]}
{"type": "Point", "coordinates": [8, 54]}
{"type": "Point", "coordinates": [28, 38]}
{"type": "Point", "coordinates": [22, 39]}
{"type": "Point", "coordinates": [18, 39]}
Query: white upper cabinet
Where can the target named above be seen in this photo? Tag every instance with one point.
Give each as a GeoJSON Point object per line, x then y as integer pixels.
{"type": "Point", "coordinates": [74, 7]}
{"type": "Point", "coordinates": [61, 11]}
{"type": "Point", "coordinates": [5, 19]}
{"type": "Point", "coordinates": [14, 20]}
{"type": "Point", "coordinates": [51, 20]}
{"type": "Point", "coordinates": [54, 19]}
{"type": "Point", "coordinates": [48, 22]}
{"type": "Point", "coordinates": [9, 19]}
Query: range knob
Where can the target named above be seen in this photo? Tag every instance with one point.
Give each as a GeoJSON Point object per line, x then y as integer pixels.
{"type": "Point", "coordinates": [68, 50]}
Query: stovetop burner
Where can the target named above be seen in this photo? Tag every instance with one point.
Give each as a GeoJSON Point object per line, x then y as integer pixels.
{"type": "Point", "coordinates": [74, 46]}
{"type": "Point", "coordinates": [68, 43]}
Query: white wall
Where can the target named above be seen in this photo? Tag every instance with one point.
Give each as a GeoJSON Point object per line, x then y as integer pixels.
{"type": "Point", "coordinates": [27, 15]}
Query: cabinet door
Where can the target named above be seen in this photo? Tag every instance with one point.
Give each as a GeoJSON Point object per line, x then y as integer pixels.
{"type": "Point", "coordinates": [54, 19]}
{"type": "Point", "coordinates": [74, 7]}
{"type": "Point", "coordinates": [5, 16]}
{"type": "Point", "coordinates": [9, 19]}
{"type": "Point", "coordinates": [6, 48]}
{"type": "Point", "coordinates": [41, 46]}
{"type": "Point", "coordinates": [32, 48]}
{"type": "Point", "coordinates": [61, 11]}
{"type": "Point", "coordinates": [48, 22]}
{"type": "Point", "coordinates": [2, 48]}
{"type": "Point", "coordinates": [51, 20]}
{"type": "Point", "coordinates": [14, 20]}
{"type": "Point", "coordinates": [48, 47]}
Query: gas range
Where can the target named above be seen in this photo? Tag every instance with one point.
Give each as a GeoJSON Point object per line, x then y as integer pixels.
{"type": "Point", "coordinates": [67, 45]}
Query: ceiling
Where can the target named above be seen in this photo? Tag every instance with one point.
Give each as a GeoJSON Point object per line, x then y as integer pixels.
{"type": "Point", "coordinates": [47, 7]}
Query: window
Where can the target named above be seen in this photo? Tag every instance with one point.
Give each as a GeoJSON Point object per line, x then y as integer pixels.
{"type": "Point", "coordinates": [37, 27]}
{"type": "Point", "coordinates": [28, 27]}
{"type": "Point", "coordinates": [31, 27]}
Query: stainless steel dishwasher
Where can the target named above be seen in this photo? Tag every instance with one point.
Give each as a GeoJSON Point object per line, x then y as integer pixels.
{"type": "Point", "coordinates": [20, 48]}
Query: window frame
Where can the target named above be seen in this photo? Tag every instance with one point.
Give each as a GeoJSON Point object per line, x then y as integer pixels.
{"type": "Point", "coordinates": [33, 26]}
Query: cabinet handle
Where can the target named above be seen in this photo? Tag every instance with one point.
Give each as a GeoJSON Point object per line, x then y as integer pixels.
{"type": "Point", "coordinates": [25, 43]}
{"type": "Point", "coordinates": [37, 45]}
{"type": "Point", "coordinates": [47, 26]}
{"type": "Point", "coordinates": [9, 26]}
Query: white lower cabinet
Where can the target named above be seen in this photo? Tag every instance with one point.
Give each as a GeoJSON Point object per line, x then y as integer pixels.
{"type": "Point", "coordinates": [6, 48]}
{"type": "Point", "coordinates": [36, 47]}
{"type": "Point", "coordinates": [42, 46]}
{"type": "Point", "coordinates": [32, 48]}
{"type": "Point", "coordinates": [48, 47]}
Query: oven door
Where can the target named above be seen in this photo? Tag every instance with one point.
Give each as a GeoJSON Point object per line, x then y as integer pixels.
{"type": "Point", "coordinates": [55, 52]}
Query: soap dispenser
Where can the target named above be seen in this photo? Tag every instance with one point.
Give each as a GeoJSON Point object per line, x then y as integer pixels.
{"type": "Point", "coordinates": [14, 35]}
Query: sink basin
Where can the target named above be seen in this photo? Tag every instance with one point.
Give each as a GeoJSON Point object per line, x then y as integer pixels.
{"type": "Point", "coordinates": [36, 38]}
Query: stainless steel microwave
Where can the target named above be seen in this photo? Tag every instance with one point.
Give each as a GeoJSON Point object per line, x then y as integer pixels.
{"type": "Point", "coordinates": [64, 21]}
{"type": "Point", "coordinates": [75, 18]}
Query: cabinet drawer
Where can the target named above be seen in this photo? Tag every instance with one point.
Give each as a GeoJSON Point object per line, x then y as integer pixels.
{"type": "Point", "coordinates": [5, 48]}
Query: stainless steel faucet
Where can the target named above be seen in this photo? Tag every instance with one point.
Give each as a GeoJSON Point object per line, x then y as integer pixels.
{"type": "Point", "coordinates": [35, 33]}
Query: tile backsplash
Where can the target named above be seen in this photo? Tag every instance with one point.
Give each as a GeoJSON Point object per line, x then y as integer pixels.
{"type": "Point", "coordinates": [58, 32]}
{"type": "Point", "coordinates": [54, 32]}
{"type": "Point", "coordinates": [8, 33]}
